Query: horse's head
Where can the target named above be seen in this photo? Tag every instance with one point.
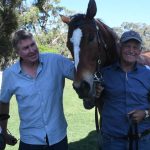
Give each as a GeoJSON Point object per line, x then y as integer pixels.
{"type": "Point", "coordinates": [88, 41]}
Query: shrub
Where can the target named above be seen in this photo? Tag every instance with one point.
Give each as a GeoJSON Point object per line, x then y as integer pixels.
{"type": "Point", "coordinates": [43, 48]}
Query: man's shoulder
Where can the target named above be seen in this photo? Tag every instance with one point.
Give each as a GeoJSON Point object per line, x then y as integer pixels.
{"type": "Point", "coordinates": [108, 68]}
{"type": "Point", "coordinates": [12, 68]}
{"type": "Point", "coordinates": [147, 67]}
{"type": "Point", "coordinates": [50, 56]}
{"type": "Point", "coordinates": [144, 68]}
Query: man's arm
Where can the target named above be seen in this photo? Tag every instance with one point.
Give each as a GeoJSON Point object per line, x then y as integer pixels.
{"type": "Point", "coordinates": [4, 110]}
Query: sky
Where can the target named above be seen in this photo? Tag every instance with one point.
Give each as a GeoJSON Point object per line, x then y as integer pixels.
{"type": "Point", "coordinates": [114, 12]}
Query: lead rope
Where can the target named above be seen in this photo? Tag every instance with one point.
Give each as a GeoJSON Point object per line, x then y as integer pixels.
{"type": "Point", "coordinates": [98, 79]}
{"type": "Point", "coordinates": [133, 136]}
{"type": "Point", "coordinates": [137, 135]}
{"type": "Point", "coordinates": [99, 139]}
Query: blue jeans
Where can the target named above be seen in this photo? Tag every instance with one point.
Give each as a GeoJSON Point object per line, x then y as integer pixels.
{"type": "Point", "coordinates": [111, 143]}
{"type": "Point", "coordinates": [62, 145]}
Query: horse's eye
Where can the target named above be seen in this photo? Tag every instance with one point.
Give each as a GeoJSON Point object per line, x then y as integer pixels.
{"type": "Point", "coordinates": [90, 38]}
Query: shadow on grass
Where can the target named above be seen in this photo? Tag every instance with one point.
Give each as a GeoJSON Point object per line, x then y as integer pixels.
{"type": "Point", "coordinates": [88, 143]}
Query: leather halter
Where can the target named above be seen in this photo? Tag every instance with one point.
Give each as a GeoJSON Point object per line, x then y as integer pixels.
{"type": "Point", "coordinates": [98, 78]}
{"type": "Point", "coordinates": [98, 75]}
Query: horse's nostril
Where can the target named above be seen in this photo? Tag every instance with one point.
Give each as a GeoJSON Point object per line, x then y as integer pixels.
{"type": "Point", "coordinates": [74, 86]}
{"type": "Point", "coordinates": [77, 88]}
{"type": "Point", "coordinates": [82, 89]}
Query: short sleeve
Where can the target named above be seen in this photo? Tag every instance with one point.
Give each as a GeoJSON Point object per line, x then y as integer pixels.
{"type": "Point", "coordinates": [67, 67]}
{"type": "Point", "coordinates": [6, 92]}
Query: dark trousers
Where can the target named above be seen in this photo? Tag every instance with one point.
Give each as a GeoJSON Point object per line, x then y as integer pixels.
{"type": "Point", "coordinates": [62, 145]}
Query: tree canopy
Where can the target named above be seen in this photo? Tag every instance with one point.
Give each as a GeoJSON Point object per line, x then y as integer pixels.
{"type": "Point", "coordinates": [41, 17]}
{"type": "Point", "coordinates": [142, 28]}
{"type": "Point", "coordinates": [8, 23]}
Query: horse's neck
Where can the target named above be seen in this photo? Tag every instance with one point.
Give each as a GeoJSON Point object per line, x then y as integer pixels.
{"type": "Point", "coordinates": [110, 39]}
{"type": "Point", "coordinates": [102, 28]}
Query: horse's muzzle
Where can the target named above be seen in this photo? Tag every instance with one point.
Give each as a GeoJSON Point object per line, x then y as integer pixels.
{"type": "Point", "coordinates": [82, 89]}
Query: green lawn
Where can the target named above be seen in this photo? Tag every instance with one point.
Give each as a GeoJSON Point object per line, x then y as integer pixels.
{"type": "Point", "coordinates": [81, 123]}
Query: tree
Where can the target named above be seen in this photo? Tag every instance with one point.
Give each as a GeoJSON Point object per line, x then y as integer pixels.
{"type": "Point", "coordinates": [41, 17]}
{"type": "Point", "coordinates": [8, 23]}
{"type": "Point", "coordinates": [142, 28]}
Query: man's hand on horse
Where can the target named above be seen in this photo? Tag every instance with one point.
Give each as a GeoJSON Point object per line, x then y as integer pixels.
{"type": "Point", "coordinates": [137, 115]}
{"type": "Point", "coordinates": [99, 90]}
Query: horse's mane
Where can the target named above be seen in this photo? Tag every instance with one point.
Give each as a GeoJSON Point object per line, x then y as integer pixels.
{"type": "Point", "coordinates": [107, 30]}
{"type": "Point", "coordinates": [110, 39]}
{"type": "Point", "coordinates": [77, 17]}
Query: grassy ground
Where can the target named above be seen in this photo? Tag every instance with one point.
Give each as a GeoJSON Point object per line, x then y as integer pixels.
{"type": "Point", "coordinates": [81, 124]}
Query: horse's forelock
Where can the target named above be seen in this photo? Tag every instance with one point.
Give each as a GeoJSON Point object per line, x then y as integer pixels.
{"type": "Point", "coordinates": [77, 17]}
{"type": "Point", "coordinates": [79, 20]}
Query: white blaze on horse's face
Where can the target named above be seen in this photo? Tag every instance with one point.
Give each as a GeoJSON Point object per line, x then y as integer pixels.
{"type": "Point", "coordinates": [76, 39]}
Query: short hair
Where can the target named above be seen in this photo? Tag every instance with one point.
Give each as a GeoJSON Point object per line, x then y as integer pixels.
{"type": "Point", "coordinates": [20, 35]}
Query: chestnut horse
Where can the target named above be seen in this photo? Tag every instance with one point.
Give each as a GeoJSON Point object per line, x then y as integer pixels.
{"type": "Point", "coordinates": [93, 45]}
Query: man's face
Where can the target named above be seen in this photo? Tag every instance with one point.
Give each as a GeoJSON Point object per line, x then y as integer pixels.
{"type": "Point", "coordinates": [28, 50]}
{"type": "Point", "coordinates": [130, 51]}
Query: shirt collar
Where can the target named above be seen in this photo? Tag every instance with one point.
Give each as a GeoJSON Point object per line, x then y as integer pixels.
{"type": "Point", "coordinates": [118, 66]}
{"type": "Point", "coordinates": [18, 65]}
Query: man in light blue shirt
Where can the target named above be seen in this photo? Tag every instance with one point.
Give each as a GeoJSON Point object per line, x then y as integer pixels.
{"type": "Point", "coordinates": [37, 80]}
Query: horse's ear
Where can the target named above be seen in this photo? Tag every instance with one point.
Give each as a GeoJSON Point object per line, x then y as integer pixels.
{"type": "Point", "coordinates": [65, 19]}
{"type": "Point", "coordinates": [91, 10]}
